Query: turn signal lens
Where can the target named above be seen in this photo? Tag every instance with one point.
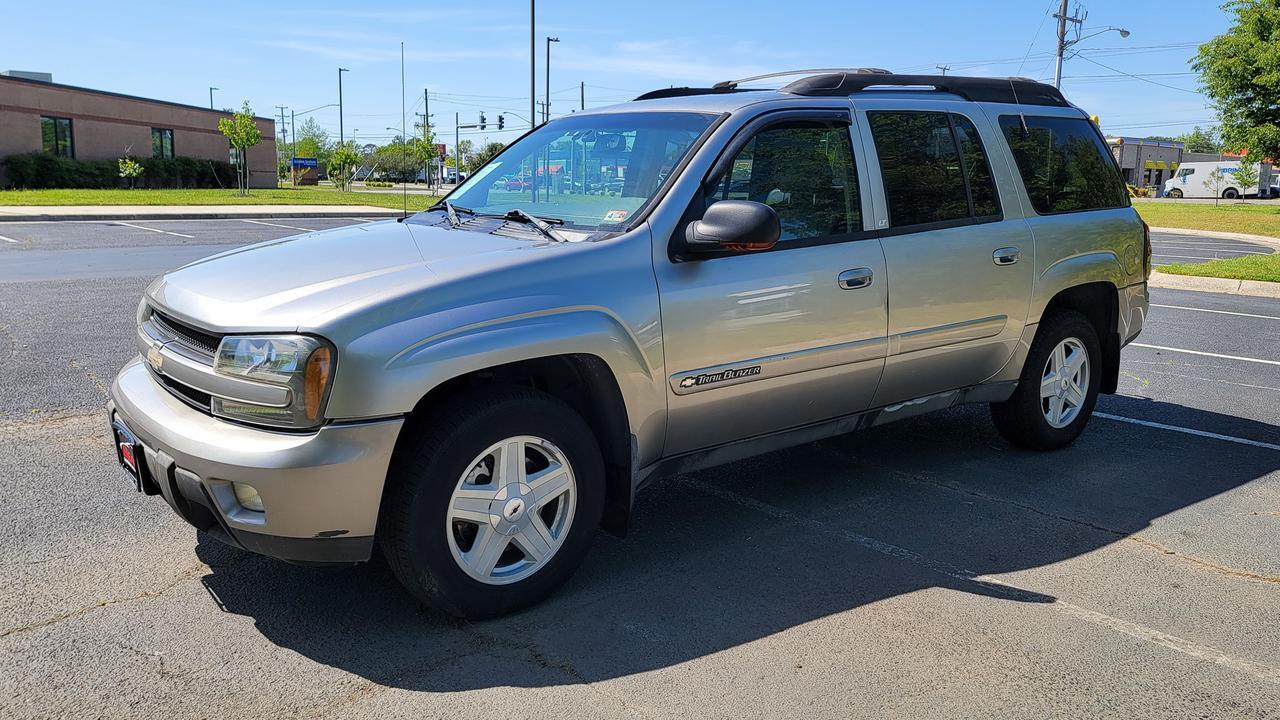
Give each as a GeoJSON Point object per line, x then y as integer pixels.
{"type": "Point", "coordinates": [316, 381]}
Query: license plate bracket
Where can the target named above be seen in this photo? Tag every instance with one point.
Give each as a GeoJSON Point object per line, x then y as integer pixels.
{"type": "Point", "coordinates": [130, 454]}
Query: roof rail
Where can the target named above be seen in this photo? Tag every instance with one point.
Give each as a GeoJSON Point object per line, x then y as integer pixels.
{"type": "Point", "coordinates": [975, 89]}
{"type": "Point", "coordinates": [731, 84]}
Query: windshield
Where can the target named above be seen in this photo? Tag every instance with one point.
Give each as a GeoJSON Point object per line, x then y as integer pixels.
{"type": "Point", "coordinates": [593, 172]}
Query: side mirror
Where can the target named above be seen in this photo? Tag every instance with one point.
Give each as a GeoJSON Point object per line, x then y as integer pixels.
{"type": "Point", "coordinates": [735, 226]}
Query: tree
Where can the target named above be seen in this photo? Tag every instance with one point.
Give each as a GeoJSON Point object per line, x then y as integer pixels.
{"type": "Point", "coordinates": [242, 132]}
{"type": "Point", "coordinates": [312, 140]}
{"type": "Point", "coordinates": [130, 169]}
{"type": "Point", "coordinates": [342, 164]}
{"type": "Point", "coordinates": [1214, 182]}
{"type": "Point", "coordinates": [1240, 71]}
{"type": "Point", "coordinates": [484, 155]}
{"type": "Point", "coordinates": [1200, 141]}
{"type": "Point", "coordinates": [1246, 176]}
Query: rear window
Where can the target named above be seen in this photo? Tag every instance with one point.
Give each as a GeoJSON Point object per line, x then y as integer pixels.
{"type": "Point", "coordinates": [1064, 165]}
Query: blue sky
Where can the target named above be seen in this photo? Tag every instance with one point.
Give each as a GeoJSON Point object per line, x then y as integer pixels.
{"type": "Point", "coordinates": [475, 55]}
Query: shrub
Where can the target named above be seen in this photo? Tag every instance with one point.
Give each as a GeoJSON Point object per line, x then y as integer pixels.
{"type": "Point", "coordinates": [39, 170]}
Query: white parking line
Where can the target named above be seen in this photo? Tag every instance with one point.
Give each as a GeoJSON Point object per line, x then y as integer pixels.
{"type": "Point", "coordinates": [287, 227]}
{"type": "Point", "coordinates": [1188, 431]}
{"type": "Point", "coordinates": [1219, 312]}
{"type": "Point", "coordinates": [154, 230]}
{"type": "Point", "coordinates": [1206, 248]}
{"type": "Point", "coordinates": [7, 239]}
{"type": "Point", "coordinates": [1206, 354]}
{"type": "Point", "coordinates": [1189, 648]}
{"type": "Point", "coordinates": [1192, 257]}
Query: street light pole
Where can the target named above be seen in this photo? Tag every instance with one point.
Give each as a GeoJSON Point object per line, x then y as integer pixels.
{"type": "Point", "coordinates": [341, 137]}
{"type": "Point", "coordinates": [546, 105]}
{"type": "Point", "coordinates": [211, 89]}
{"type": "Point", "coordinates": [293, 153]}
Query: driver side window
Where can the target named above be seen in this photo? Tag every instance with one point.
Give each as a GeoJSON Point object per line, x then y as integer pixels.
{"type": "Point", "coordinates": [805, 171]}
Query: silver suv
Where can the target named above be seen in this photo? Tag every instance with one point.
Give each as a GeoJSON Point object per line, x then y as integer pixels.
{"type": "Point", "coordinates": [688, 279]}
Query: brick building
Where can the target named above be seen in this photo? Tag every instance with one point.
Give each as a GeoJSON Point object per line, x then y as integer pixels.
{"type": "Point", "coordinates": [37, 114]}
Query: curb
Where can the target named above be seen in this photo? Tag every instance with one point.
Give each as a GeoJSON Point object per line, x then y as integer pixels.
{"type": "Point", "coordinates": [196, 215]}
{"type": "Point", "coordinates": [1226, 286]}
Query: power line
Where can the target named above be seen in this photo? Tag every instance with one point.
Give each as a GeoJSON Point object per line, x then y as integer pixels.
{"type": "Point", "coordinates": [1137, 77]}
{"type": "Point", "coordinates": [1035, 37]}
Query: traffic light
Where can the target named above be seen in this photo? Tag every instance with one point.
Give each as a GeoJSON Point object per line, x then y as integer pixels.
{"type": "Point", "coordinates": [502, 121]}
{"type": "Point", "coordinates": [482, 121]}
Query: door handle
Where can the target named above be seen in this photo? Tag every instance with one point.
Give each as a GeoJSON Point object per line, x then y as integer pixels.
{"type": "Point", "coordinates": [1006, 256]}
{"type": "Point", "coordinates": [855, 278]}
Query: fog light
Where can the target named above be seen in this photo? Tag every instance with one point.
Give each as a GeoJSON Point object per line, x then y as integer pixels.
{"type": "Point", "coordinates": [248, 496]}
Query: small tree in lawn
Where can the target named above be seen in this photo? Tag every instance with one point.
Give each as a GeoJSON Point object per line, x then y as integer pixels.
{"type": "Point", "coordinates": [242, 133]}
{"type": "Point", "coordinates": [130, 169]}
{"type": "Point", "coordinates": [1214, 182]}
{"type": "Point", "coordinates": [342, 164]}
{"type": "Point", "coordinates": [1247, 176]}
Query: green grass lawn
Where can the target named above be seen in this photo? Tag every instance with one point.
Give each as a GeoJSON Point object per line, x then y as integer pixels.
{"type": "Point", "coordinates": [283, 196]}
{"type": "Point", "coordinates": [1242, 218]}
{"type": "Point", "coordinates": [1251, 267]}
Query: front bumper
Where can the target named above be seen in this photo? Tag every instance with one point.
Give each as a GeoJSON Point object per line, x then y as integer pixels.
{"type": "Point", "coordinates": [320, 490]}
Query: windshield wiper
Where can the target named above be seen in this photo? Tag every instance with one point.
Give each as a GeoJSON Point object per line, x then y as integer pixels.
{"type": "Point", "coordinates": [541, 225]}
{"type": "Point", "coordinates": [452, 211]}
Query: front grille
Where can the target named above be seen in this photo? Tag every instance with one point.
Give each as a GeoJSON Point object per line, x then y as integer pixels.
{"type": "Point", "coordinates": [178, 331]}
{"type": "Point", "coordinates": [186, 393]}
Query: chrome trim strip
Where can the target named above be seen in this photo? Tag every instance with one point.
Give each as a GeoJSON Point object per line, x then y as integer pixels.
{"type": "Point", "coordinates": [951, 334]}
{"type": "Point", "coordinates": [202, 377]}
{"type": "Point", "coordinates": [780, 365]}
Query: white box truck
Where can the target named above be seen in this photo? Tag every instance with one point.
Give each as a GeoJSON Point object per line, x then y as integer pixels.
{"type": "Point", "coordinates": [1193, 181]}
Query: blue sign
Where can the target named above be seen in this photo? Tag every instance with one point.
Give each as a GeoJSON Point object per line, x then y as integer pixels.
{"type": "Point", "coordinates": [306, 162]}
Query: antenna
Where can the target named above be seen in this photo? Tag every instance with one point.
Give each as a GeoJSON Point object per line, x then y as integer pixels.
{"type": "Point", "coordinates": [404, 141]}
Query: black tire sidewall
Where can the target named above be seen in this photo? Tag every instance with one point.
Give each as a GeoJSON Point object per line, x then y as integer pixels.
{"type": "Point", "coordinates": [426, 548]}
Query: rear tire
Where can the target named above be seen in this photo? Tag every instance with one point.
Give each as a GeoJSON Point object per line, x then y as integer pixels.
{"type": "Point", "coordinates": [470, 532]}
{"type": "Point", "coordinates": [1230, 194]}
{"type": "Point", "coordinates": [1058, 387]}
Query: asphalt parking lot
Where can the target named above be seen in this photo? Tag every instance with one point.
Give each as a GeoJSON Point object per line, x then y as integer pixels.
{"type": "Point", "coordinates": [919, 569]}
{"type": "Point", "coordinates": [1171, 248]}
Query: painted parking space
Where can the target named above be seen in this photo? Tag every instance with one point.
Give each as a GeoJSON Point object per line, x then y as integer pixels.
{"type": "Point", "coordinates": [1175, 248]}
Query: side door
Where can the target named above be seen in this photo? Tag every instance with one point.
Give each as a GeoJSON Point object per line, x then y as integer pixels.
{"type": "Point", "coordinates": [960, 255]}
{"type": "Point", "coordinates": [762, 341]}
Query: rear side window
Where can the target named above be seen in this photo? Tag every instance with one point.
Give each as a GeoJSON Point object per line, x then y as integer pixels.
{"type": "Point", "coordinates": [805, 171]}
{"type": "Point", "coordinates": [1063, 163]}
{"type": "Point", "coordinates": [933, 166]}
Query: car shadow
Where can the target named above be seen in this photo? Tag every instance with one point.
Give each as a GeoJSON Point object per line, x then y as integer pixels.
{"type": "Point", "coordinates": [738, 553]}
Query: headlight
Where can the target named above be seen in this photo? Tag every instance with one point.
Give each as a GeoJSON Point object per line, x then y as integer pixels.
{"type": "Point", "coordinates": [301, 363]}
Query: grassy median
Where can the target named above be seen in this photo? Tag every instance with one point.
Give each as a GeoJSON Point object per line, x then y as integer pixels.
{"type": "Point", "coordinates": [283, 196]}
{"type": "Point", "coordinates": [1242, 218]}
{"type": "Point", "coordinates": [1252, 267]}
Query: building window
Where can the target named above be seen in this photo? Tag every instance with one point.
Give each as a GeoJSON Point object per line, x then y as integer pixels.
{"type": "Point", "coordinates": [55, 135]}
{"type": "Point", "coordinates": [162, 143]}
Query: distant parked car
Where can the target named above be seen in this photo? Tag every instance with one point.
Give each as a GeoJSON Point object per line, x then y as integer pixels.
{"type": "Point", "coordinates": [519, 183]}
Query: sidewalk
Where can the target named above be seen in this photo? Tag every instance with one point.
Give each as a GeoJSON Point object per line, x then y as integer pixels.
{"type": "Point", "coordinates": [28, 213]}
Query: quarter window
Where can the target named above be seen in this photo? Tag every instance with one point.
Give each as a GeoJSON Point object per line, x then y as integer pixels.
{"type": "Point", "coordinates": [1064, 164]}
{"type": "Point", "coordinates": [804, 170]}
{"type": "Point", "coordinates": [162, 143]}
{"type": "Point", "coordinates": [933, 167]}
{"type": "Point", "coordinates": [55, 136]}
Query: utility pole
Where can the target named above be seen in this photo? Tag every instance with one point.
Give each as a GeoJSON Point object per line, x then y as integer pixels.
{"type": "Point", "coordinates": [284, 132]}
{"type": "Point", "coordinates": [1063, 19]}
{"type": "Point", "coordinates": [546, 106]}
{"type": "Point", "coordinates": [211, 89]}
{"type": "Point", "coordinates": [293, 153]}
{"type": "Point", "coordinates": [341, 136]}
{"type": "Point", "coordinates": [533, 65]}
{"type": "Point", "coordinates": [582, 95]}
{"type": "Point", "coordinates": [457, 152]}
{"type": "Point", "coordinates": [943, 68]}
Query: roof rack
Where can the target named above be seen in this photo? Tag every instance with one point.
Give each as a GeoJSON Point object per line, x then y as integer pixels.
{"type": "Point", "coordinates": [975, 89]}
{"type": "Point", "coordinates": [846, 81]}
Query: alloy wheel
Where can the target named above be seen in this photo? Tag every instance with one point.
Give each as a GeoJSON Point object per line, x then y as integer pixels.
{"type": "Point", "coordinates": [1064, 384]}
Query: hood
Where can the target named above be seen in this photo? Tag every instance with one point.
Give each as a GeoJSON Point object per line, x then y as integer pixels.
{"type": "Point", "coordinates": [281, 284]}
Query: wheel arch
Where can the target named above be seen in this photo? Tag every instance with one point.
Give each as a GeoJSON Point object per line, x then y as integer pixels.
{"type": "Point", "coordinates": [1099, 301]}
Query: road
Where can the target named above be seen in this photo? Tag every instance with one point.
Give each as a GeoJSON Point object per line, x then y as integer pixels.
{"type": "Point", "coordinates": [924, 569]}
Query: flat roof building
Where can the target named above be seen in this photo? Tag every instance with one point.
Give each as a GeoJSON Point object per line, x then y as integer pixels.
{"type": "Point", "coordinates": [39, 115]}
{"type": "Point", "coordinates": [1144, 162]}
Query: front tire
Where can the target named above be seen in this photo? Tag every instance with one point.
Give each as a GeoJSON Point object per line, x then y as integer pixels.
{"type": "Point", "coordinates": [492, 502]}
{"type": "Point", "coordinates": [1058, 387]}
{"type": "Point", "coordinates": [1176, 194]}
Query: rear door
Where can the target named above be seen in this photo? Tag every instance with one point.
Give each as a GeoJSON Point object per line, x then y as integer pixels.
{"type": "Point", "coordinates": [962, 271]}
{"type": "Point", "coordinates": [757, 342]}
